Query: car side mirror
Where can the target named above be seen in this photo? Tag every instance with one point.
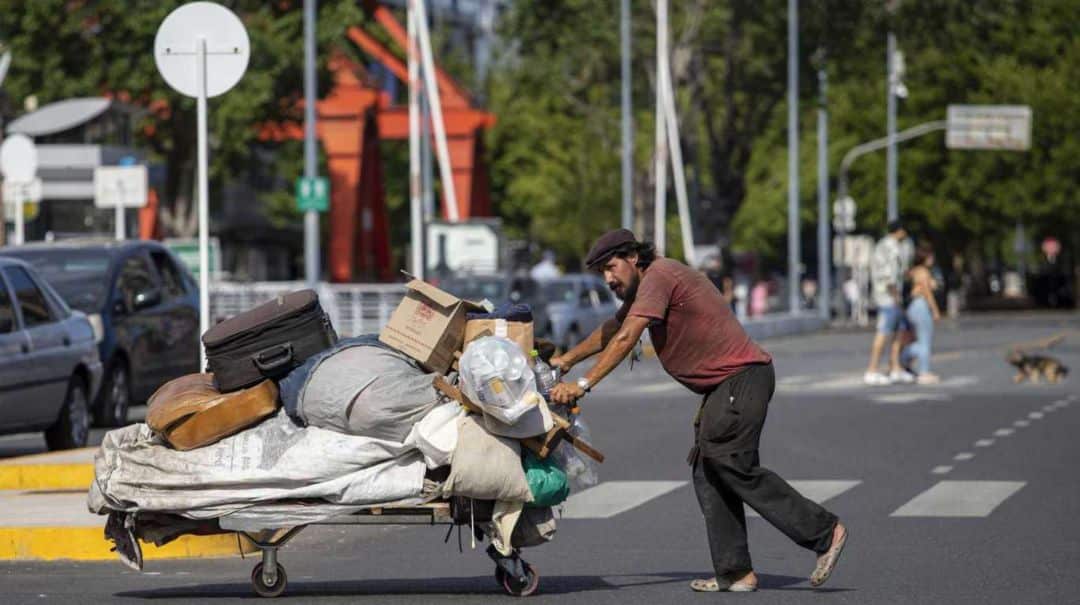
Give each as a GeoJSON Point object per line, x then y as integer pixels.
{"type": "Point", "coordinates": [147, 298]}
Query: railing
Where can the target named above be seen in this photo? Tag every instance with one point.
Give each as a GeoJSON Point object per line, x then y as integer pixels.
{"type": "Point", "coordinates": [354, 309]}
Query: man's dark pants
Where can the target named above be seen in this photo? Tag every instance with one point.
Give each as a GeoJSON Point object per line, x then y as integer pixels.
{"type": "Point", "coordinates": [727, 473]}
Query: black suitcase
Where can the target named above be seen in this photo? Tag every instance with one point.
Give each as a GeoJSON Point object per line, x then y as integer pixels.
{"type": "Point", "coordinates": [268, 341]}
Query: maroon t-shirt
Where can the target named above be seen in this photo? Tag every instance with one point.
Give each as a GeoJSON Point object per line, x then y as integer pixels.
{"type": "Point", "coordinates": [696, 336]}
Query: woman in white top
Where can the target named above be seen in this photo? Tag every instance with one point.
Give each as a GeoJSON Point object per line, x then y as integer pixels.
{"type": "Point", "coordinates": [922, 312]}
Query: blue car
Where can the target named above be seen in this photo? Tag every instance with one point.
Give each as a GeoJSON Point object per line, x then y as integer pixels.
{"type": "Point", "coordinates": [143, 305]}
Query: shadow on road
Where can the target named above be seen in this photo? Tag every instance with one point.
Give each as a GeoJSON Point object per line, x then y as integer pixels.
{"type": "Point", "coordinates": [471, 586]}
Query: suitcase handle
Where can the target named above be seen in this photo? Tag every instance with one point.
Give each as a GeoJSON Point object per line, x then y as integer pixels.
{"type": "Point", "coordinates": [274, 358]}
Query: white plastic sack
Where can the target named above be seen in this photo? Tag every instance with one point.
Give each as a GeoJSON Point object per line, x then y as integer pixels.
{"type": "Point", "coordinates": [436, 436]}
{"type": "Point", "coordinates": [276, 460]}
{"type": "Point", "coordinates": [496, 375]}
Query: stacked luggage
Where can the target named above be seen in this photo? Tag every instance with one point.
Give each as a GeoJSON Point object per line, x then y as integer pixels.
{"type": "Point", "coordinates": [288, 413]}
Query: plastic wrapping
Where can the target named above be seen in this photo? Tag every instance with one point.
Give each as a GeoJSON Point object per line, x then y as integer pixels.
{"type": "Point", "coordinates": [581, 471]}
{"type": "Point", "coordinates": [496, 375]}
{"type": "Point", "coordinates": [436, 435]}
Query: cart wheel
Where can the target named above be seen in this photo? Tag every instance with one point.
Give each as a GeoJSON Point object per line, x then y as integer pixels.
{"type": "Point", "coordinates": [262, 589]}
{"type": "Point", "coordinates": [515, 588]}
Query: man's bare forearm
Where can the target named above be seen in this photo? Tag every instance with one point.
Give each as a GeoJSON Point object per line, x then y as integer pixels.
{"type": "Point", "coordinates": [617, 348]}
{"type": "Point", "coordinates": [592, 345]}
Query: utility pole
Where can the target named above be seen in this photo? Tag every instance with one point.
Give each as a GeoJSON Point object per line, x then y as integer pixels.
{"type": "Point", "coordinates": [311, 164]}
{"type": "Point", "coordinates": [660, 198]}
{"type": "Point", "coordinates": [627, 123]}
{"type": "Point", "coordinates": [793, 156]}
{"type": "Point", "coordinates": [824, 262]}
{"type": "Point", "coordinates": [890, 124]}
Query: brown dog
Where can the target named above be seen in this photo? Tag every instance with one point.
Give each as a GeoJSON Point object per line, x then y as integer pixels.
{"type": "Point", "coordinates": [1031, 367]}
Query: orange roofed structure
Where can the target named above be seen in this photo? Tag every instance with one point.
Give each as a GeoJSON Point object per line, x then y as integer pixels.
{"type": "Point", "coordinates": [352, 119]}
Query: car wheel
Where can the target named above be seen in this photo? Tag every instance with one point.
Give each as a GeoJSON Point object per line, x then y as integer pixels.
{"type": "Point", "coordinates": [72, 428]}
{"type": "Point", "coordinates": [115, 397]}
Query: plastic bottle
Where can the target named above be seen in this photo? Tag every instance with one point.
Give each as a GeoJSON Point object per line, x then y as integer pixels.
{"type": "Point", "coordinates": [545, 376]}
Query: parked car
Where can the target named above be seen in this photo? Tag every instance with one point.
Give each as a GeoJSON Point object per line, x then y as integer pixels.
{"type": "Point", "coordinates": [577, 304]}
{"type": "Point", "coordinates": [143, 304]}
{"type": "Point", "coordinates": [500, 289]}
{"type": "Point", "coordinates": [49, 366]}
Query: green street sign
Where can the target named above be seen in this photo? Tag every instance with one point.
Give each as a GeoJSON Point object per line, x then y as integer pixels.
{"type": "Point", "coordinates": [313, 194]}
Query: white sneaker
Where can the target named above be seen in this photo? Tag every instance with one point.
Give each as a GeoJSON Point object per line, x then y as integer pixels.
{"type": "Point", "coordinates": [875, 379]}
{"type": "Point", "coordinates": [901, 377]}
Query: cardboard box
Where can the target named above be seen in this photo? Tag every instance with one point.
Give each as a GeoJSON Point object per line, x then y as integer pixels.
{"type": "Point", "coordinates": [518, 331]}
{"type": "Point", "coordinates": [428, 325]}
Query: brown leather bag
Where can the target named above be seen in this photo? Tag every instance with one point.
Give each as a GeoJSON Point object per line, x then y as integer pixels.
{"type": "Point", "coordinates": [190, 413]}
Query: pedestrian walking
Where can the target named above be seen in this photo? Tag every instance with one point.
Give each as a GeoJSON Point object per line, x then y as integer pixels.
{"type": "Point", "coordinates": [887, 268]}
{"type": "Point", "coordinates": [701, 344]}
{"type": "Point", "coordinates": [922, 312]}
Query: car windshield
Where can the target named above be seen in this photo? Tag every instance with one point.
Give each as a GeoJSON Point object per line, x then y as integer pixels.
{"type": "Point", "coordinates": [78, 276]}
{"type": "Point", "coordinates": [477, 289]}
{"type": "Point", "coordinates": [560, 291]}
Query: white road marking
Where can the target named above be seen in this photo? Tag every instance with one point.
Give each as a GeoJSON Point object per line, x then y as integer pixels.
{"type": "Point", "coordinates": [984, 443]}
{"type": "Point", "coordinates": [1035, 415]}
{"type": "Point", "coordinates": [959, 499]}
{"type": "Point", "coordinates": [660, 388]}
{"type": "Point", "coordinates": [1004, 432]}
{"type": "Point", "coordinates": [963, 456]}
{"type": "Point", "coordinates": [818, 491]}
{"type": "Point", "coordinates": [959, 381]}
{"type": "Point", "coordinates": [614, 497]}
{"type": "Point", "coordinates": [941, 470]}
{"type": "Point", "coordinates": [904, 398]}
{"type": "Point", "coordinates": [1022, 423]}
{"type": "Point", "coordinates": [1049, 408]}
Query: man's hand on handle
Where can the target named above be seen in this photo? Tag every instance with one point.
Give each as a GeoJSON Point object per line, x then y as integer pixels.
{"type": "Point", "coordinates": [566, 393]}
{"type": "Point", "coordinates": [560, 363]}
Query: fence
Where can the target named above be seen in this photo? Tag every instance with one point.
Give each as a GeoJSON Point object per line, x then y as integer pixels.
{"type": "Point", "coordinates": [353, 308]}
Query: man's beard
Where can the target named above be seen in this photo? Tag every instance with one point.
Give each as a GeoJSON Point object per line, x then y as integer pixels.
{"type": "Point", "coordinates": [631, 290]}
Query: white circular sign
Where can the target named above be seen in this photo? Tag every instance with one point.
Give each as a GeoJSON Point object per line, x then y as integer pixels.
{"type": "Point", "coordinates": [227, 48]}
{"type": "Point", "coordinates": [18, 158]}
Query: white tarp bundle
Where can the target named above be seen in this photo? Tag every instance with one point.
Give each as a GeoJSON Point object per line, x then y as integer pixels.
{"type": "Point", "coordinates": [272, 462]}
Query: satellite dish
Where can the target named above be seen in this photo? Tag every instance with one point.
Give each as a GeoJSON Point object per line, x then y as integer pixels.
{"type": "Point", "coordinates": [227, 48]}
{"type": "Point", "coordinates": [18, 159]}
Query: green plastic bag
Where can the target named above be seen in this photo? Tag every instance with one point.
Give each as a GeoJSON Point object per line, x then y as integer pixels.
{"type": "Point", "coordinates": [546, 481]}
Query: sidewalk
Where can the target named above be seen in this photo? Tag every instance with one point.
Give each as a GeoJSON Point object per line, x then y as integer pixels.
{"type": "Point", "coordinates": [43, 515]}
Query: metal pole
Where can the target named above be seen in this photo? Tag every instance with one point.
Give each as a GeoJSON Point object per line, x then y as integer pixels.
{"type": "Point", "coordinates": [311, 162]}
{"type": "Point", "coordinates": [204, 200]}
{"type": "Point", "coordinates": [428, 70]}
{"type": "Point", "coordinates": [671, 123]}
{"type": "Point", "coordinates": [415, 210]}
{"type": "Point", "coordinates": [864, 148]}
{"type": "Point", "coordinates": [793, 156]}
{"type": "Point", "coordinates": [20, 229]}
{"type": "Point", "coordinates": [121, 228]}
{"type": "Point", "coordinates": [893, 208]}
{"type": "Point", "coordinates": [824, 262]}
{"type": "Point", "coordinates": [627, 123]}
{"type": "Point", "coordinates": [660, 199]}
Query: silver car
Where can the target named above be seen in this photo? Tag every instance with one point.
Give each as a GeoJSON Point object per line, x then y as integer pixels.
{"type": "Point", "coordinates": [577, 304]}
{"type": "Point", "coordinates": [49, 366]}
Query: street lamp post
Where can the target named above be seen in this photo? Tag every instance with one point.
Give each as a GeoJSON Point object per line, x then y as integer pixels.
{"type": "Point", "coordinates": [793, 156]}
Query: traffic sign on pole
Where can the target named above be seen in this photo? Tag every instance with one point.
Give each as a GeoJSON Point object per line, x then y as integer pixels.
{"type": "Point", "coordinates": [313, 194]}
{"type": "Point", "coordinates": [201, 50]}
{"type": "Point", "coordinates": [1006, 127]}
{"type": "Point", "coordinates": [18, 163]}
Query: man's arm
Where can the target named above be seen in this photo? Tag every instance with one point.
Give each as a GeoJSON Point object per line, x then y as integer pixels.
{"type": "Point", "coordinates": [616, 349]}
{"type": "Point", "coordinates": [592, 345]}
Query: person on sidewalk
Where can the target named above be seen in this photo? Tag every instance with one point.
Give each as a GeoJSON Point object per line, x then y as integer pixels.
{"type": "Point", "coordinates": [922, 312]}
{"type": "Point", "coordinates": [701, 344]}
{"type": "Point", "coordinates": [887, 267]}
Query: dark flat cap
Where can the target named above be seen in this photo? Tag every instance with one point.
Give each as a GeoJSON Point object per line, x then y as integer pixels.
{"type": "Point", "coordinates": [606, 245]}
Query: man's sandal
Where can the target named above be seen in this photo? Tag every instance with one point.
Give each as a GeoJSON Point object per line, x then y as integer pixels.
{"type": "Point", "coordinates": [826, 563]}
{"type": "Point", "coordinates": [712, 585]}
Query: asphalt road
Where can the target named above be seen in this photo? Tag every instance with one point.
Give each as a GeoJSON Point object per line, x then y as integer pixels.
{"type": "Point", "coordinates": [965, 492]}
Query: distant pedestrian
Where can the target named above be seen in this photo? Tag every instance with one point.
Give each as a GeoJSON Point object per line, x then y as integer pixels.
{"type": "Point", "coordinates": [546, 269]}
{"type": "Point", "coordinates": [887, 268]}
{"type": "Point", "coordinates": [922, 312]}
{"type": "Point", "coordinates": [701, 344]}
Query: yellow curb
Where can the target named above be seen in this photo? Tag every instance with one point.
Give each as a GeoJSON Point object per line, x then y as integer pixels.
{"type": "Point", "coordinates": [46, 476]}
{"type": "Point", "coordinates": [89, 544]}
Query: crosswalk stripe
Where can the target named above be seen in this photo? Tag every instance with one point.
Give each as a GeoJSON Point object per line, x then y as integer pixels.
{"type": "Point", "coordinates": [959, 499]}
{"type": "Point", "coordinates": [614, 497]}
{"type": "Point", "coordinates": [818, 491]}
